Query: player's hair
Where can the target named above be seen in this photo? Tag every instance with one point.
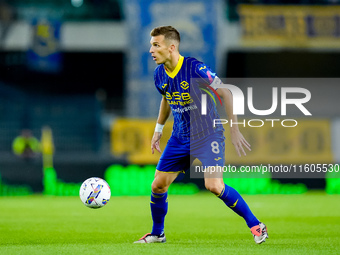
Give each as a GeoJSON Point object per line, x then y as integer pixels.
{"type": "Point", "coordinates": [169, 32]}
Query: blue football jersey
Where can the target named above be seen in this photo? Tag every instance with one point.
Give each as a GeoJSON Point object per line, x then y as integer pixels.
{"type": "Point", "coordinates": [183, 89]}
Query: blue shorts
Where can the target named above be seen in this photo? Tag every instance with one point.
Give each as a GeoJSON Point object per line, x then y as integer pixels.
{"type": "Point", "coordinates": [178, 155]}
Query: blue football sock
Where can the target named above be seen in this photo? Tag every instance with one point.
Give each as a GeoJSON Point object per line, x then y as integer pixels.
{"type": "Point", "coordinates": [236, 203]}
{"type": "Point", "coordinates": [159, 208]}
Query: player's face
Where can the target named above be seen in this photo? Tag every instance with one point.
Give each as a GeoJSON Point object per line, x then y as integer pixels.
{"type": "Point", "coordinates": [160, 50]}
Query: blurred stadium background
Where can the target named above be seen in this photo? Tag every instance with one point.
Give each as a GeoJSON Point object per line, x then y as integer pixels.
{"type": "Point", "coordinates": [78, 75]}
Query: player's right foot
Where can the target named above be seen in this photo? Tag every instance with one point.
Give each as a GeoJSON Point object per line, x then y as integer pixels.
{"type": "Point", "coordinates": [148, 238]}
{"type": "Point", "coordinates": [260, 233]}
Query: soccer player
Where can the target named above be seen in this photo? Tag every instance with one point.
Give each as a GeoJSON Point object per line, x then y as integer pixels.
{"type": "Point", "coordinates": [182, 81]}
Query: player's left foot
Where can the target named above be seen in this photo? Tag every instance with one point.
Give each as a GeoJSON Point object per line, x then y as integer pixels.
{"type": "Point", "coordinates": [148, 238]}
{"type": "Point", "coordinates": [260, 233]}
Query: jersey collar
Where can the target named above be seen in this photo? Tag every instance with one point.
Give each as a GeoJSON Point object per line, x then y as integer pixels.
{"type": "Point", "coordinates": [177, 68]}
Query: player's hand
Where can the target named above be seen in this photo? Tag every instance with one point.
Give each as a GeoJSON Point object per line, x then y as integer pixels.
{"type": "Point", "coordinates": [239, 142]}
{"type": "Point", "coordinates": [155, 142]}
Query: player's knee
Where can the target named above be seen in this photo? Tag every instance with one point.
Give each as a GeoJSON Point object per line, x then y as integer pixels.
{"type": "Point", "coordinates": [214, 187]}
{"type": "Point", "coordinates": [158, 187]}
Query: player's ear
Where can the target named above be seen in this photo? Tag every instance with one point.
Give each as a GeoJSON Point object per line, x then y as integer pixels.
{"type": "Point", "coordinates": [172, 47]}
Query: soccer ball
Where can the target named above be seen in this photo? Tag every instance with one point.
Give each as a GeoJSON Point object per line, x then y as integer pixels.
{"type": "Point", "coordinates": [95, 192]}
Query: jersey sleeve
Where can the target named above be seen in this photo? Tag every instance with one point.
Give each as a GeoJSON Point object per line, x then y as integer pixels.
{"type": "Point", "coordinates": [160, 90]}
{"type": "Point", "coordinates": [204, 72]}
{"type": "Point", "coordinates": [158, 83]}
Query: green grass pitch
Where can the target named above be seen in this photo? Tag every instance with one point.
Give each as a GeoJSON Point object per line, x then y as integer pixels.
{"type": "Point", "coordinates": [197, 224]}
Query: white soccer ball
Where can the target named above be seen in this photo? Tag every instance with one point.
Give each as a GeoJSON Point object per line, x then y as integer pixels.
{"type": "Point", "coordinates": [95, 192]}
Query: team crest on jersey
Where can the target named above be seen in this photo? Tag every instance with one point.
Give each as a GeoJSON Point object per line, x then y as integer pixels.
{"type": "Point", "coordinates": [184, 85]}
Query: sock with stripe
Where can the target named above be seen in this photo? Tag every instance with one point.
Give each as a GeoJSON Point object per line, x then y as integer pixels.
{"type": "Point", "coordinates": [159, 208]}
{"type": "Point", "coordinates": [236, 203]}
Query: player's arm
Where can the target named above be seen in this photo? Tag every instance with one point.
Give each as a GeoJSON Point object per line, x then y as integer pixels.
{"type": "Point", "coordinates": [163, 115]}
{"type": "Point", "coordinates": [237, 138]}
